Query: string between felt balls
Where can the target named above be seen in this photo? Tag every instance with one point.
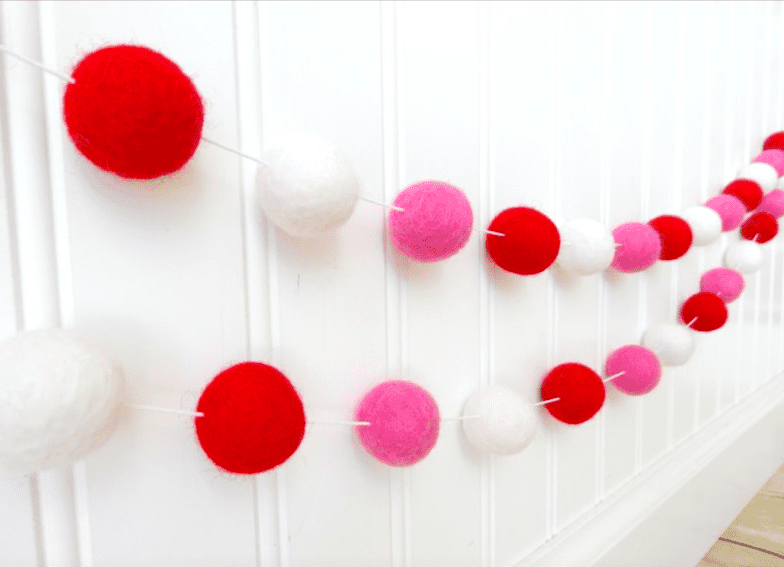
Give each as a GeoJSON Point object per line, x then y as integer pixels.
{"type": "Point", "coordinates": [545, 402]}
{"type": "Point", "coordinates": [232, 150]}
{"type": "Point", "coordinates": [382, 204]}
{"type": "Point", "coordinates": [614, 376]}
{"type": "Point", "coordinates": [338, 422]}
{"type": "Point", "coordinates": [167, 410]}
{"type": "Point", "coordinates": [690, 323]}
{"type": "Point", "coordinates": [34, 63]}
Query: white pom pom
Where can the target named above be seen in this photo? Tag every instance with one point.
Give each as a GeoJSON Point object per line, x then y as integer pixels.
{"type": "Point", "coordinates": [705, 224]}
{"type": "Point", "coordinates": [587, 247]}
{"type": "Point", "coordinates": [780, 183]}
{"type": "Point", "coordinates": [744, 256]}
{"type": "Point", "coordinates": [673, 344]}
{"type": "Point", "coordinates": [307, 188]}
{"type": "Point", "coordinates": [765, 175]}
{"type": "Point", "coordinates": [58, 399]}
{"type": "Point", "coordinates": [506, 425]}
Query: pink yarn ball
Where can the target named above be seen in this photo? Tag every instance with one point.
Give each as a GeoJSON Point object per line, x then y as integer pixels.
{"type": "Point", "coordinates": [404, 423]}
{"type": "Point", "coordinates": [641, 368]}
{"type": "Point", "coordinates": [435, 223]}
{"type": "Point", "coordinates": [774, 158]}
{"type": "Point", "coordinates": [724, 282]}
{"type": "Point", "coordinates": [730, 209]}
{"type": "Point", "coordinates": [773, 203]}
{"type": "Point", "coordinates": [639, 246]}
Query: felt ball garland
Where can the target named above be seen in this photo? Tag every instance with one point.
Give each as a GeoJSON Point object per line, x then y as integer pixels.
{"type": "Point", "coordinates": [577, 390]}
{"type": "Point", "coordinates": [639, 246]}
{"type": "Point", "coordinates": [497, 420]}
{"type": "Point", "coordinates": [725, 283]}
{"type": "Point", "coordinates": [773, 203]}
{"type": "Point", "coordinates": [744, 256]}
{"type": "Point", "coordinates": [587, 247]}
{"type": "Point", "coordinates": [748, 192]}
{"type": "Point", "coordinates": [672, 343]}
{"type": "Point", "coordinates": [638, 368]}
{"type": "Point", "coordinates": [675, 234]}
{"type": "Point", "coordinates": [774, 158]}
{"type": "Point", "coordinates": [705, 224]}
{"type": "Point", "coordinates": [530, 241]}
{"type": "Point", "coordinates": [760, 228]}
{"type": "Point", "coordinates": [704, 311]}
{"type": "Point", "coordinates": [729, 208]}
{"type": "Point", "coordinates": [762, 173]}
{"type": "Point", "coordinates": [774, 142]}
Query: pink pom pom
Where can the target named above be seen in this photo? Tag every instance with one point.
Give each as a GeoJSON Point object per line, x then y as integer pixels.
{"type": "Point", "coordinates": [639, 246]}
{"type": "Point", "coordinates": [435, 222]}
{"type": "Point", "coordinates": [773, 158]}
{"type": "Point", "coordinates": [404, 423]}
{"type": "Point", "coordinates": [773, 203]}
{"type": "Point", "coordinates": [723, 282]}
{"type": "Point", "coordinates": [640, 366]}
{"type": "Point", "coordinates": [730, 209]}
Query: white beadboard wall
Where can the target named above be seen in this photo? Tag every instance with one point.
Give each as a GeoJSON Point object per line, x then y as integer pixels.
{"type": "Point", "coordinates": [613, 111]}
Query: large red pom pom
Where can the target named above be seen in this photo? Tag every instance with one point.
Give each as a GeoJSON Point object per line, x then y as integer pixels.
{"type": "Point", "coordinates": [133, 112]}
{"type": "Point", "coordinates": [760, 227]}
{"type": "Point", "coordinates": [704, 311]}
{"type": "Point", "coordinates": [675, 234]}
{"type": "Point", "coordinates": [580, 389]}
{"type": "Point", "coordinates": [774, 142]}
{"type": "Point", "coordinates": [253, 418]}
{"type": "Point", "coordinates": [746, 191]}
{"type": "Point", "coordinates": [530, 243]}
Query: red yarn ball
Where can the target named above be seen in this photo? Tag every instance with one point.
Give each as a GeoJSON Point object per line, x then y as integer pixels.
{"type": "Point", "coordinates": [676, 236]}
{"type": "Point", "coordinates": [133, 112]}
{"type": "Point", "coordinates": [530, 243]}
{"type": "Point", "coordinates": [706, 309]}
{"type": "Point", "coordinates": [580, 389]}
{"type": "Point", "coordinates": [763, 226]}
{"type": "Point", "coordinates": [253, 419]}
{"type": "Point", "coordinates": [774, 142]}
{"type": "Point", "coordinates": [746, 191]}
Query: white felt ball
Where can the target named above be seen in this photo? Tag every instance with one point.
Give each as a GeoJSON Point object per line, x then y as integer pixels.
{"type": "Point", "coordinates": [765, 175]}
{"type": "Point", "coordinates": [673, 344]}
{"type": "Point", "coordinates": [506, 423]}
{"type": "Point", "coordinates": [744, 256]}
{"type": "Point", "coordinates": [306, 187]}
{"type": "Point", "coordinates": [587, 247]}
{"type": "Point", "coordinates": [705, 224]}
{"type": "Point", "coordinates": [59, 398]}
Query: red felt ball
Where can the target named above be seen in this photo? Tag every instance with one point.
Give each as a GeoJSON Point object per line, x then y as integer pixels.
{"type": "Point", "coordinates": [747, 191]}
{"type": "Point", "coordinates": [760, 227]}
{"type": "Point", "coordinates": [133, 112]}
{"type": "Point", "coordinates": [253, 418]}
{"type": "Point", "coordinates": [704, 311]}
{"type": "Point", "coordinates": [530, 243]}
{"type": "Point", "coordinates": [774, 142]}
{"type": "Point", "coordinates": [675, 234]}
{"type": "Point", "coordinates": [580, 389]}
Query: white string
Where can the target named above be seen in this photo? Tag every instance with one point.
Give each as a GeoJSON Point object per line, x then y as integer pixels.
{"type": "Point", "coordinates": [494, 233]}
{"type": "Point", "coordinates": [34, 63]}
{"type": "Point", "coordinates": [381, 204]}
{"type": "Point", "coordinates": [614, 376]}
{"type": "Point", "coordinates": [232, 150]}
{"type": "Point", "coordinates": [692, 322]}
{"type": "Point", "coordinates": [167, 410]}
{"type": "Point", "coordinates": [551, 400]}
{"type": "Point", "coordinates": [337, 422]}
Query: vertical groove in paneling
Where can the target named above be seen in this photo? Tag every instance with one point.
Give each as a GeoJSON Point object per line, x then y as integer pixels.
{"type": "Point", "coordinates": [749, 62]}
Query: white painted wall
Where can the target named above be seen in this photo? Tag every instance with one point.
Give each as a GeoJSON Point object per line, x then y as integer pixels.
{"type": "Point", "coordinates": [614, 111]}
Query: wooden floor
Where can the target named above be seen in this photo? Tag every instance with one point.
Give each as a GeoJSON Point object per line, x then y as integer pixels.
{"type": "Point", "coordinates": [756, 537]}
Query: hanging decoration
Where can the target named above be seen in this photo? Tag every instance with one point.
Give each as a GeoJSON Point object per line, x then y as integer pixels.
{"type": "Point", "coordinates": [497, 420]}
{"type": "Point", "coordinates": [530, 241]}
{"type": "Point", "coordinates": [587, 247]}
{"type": "Point", "coordinates": [577, 390]}
{"type": "Point", "coordinates": [725, 283]}
{"type": "Point", "coordinates": [639, 246]}
{"type": "Point", "coordinates": [672, 343]}
{"type": "Point", "coordinates": [637, 369]}
{"type": "Point", "coordinates": [675, 234]}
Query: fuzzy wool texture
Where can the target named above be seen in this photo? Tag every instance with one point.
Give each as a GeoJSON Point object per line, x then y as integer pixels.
{"type": "Point", "coordinates": [773, 203]}
{"type": "Point", "coordinates": [747, 191]}
{"type": "Point", "coordinates": [774, 158]}
{"type": "Point", "coordinates": [404, 423]}
{"type": "Point", "coordinates": [59, 399]}
{"type": "Point", "coordinates": [580, 389]}
{"type": "Point", "coordinates": [587, 247]}
{"type": "Point", "coordinates": [765, 175]}
{"type": "Point", "coordinates": [672, 343]}
{"type": "Point", "coordinates": [729, 208]}
{"type": "Point", "coordinates": [506, 424]}
{"type": "Point", "coordinates": [675, 234]}
{"type": "Point", "coordinates": [760, 227]}
{"type": "Point", "coordinates": [726, 283]}
{"type": "Point", "coordinates": [705, 311]}
{"type": "Point", "coordinates": [307, 188]}
{"type": "Point", "coordinates": [530, 243]}
{"type": "Point", "coordinates": [435, 223]}
{"type": "Point", "coordinates": [640, 366]}
{"type": "Point", "coordinates": [705, 224]}
{"type": "Point", "coordinates": [133, 112]}
{"type": "Point", "coordinates": [639, 246]}
{"type": "Point", "coordinates": [253, 419]}
{"type": "Point", "coordinates": [774, 142]}
{"type": "Point", "coordinates": [744, 256]}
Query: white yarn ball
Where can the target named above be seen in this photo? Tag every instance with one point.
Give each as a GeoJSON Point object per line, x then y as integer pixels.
{"type": "Point", "coordinates": [705, 224]}
{"type": "Point", "coordinates": [673, 344]}
{"type": "Point", "coordinates": [506, 425]}
{"type": "Point", "coordinates": [762, 173]}
{"type": "Point", "coordinates": [306, 187]}
{"type": "Point", "coordinates": [587, 247]}
{"type": "Point", "coordinates": [744, 256]}
{"type": "Point", "coordinates": [59, 398]}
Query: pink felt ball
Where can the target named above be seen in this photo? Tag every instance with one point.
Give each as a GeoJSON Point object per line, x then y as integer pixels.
{"type": "Point", "coordinates": [774, 158]}
{"type": "Point", "coordinates": [435, 222]}
{"type": "Point", "coordinates": [640, 367]}
{"type": "Point", "coordinates": [639, 246]}
{"type": "Point", "coordinates": [726, 283]}
{"type": "Point", "coordinates": [404, 423]}
{"type": "Point", "coordinates": [773, 203]}
{"type": "Point", "coordinates": [730, 209]}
